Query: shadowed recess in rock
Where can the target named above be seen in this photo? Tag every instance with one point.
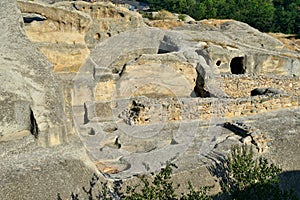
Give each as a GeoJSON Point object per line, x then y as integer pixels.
{"type": "Point", "coordinates": [237, 65]}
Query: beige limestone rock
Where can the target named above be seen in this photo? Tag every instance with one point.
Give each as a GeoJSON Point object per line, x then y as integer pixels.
{"type": "Point", "coordinates": [67, 31]}
{"type": "Point", "coordinates": [157, 77]}
{"type": "Point", "coordinates": [31, 95]}
{"type": "Point", "coordinates": [167, 123]}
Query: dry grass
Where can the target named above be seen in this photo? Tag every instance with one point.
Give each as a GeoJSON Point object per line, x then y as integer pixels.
{"type": "Point", "coordinates": [165, 24]}
{"type": "Point", "coordinates": [215, 22]}
{"type": "Point", "coordinates": [289, 41]}
{"type": "Point", "coordinates": [60, 68]}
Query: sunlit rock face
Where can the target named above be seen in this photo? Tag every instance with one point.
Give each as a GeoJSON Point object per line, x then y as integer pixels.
{"type": "Point", "coordinates": [66, 31]}
{"type": "Point", "coordinates": [134, 97]}
{"type": "Point", "coordinates": [30, 94]}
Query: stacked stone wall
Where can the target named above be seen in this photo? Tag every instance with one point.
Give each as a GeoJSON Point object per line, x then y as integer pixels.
{"type": "Point", "coordinates": [239, 86]}
{"type": "Point", "coordinates": [175, 109]}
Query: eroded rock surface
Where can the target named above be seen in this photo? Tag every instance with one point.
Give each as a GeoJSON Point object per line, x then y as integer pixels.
{"type": "Point", "coordinates": [142, 97]}
{"type": "Point", "coordinates": [66, 31]}
{"type": "Point", "coordinates": [36, 161]}
{"type": "Point", "coordinates": [31, 98]}
{"type": "Point", "coordinates": [171, 91]}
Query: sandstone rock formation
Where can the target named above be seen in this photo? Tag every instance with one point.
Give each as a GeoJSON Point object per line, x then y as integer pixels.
{"type": "Point", "coordinates": [66, 31]}
{"type": "Point", "coordinates": [134, 87]}
{"type": "Point", "coordinates": [30, 94]}
{"type": "Point", "coordinates": [32, 118]}
{"type": "Point", "coordinates": [141, 96]}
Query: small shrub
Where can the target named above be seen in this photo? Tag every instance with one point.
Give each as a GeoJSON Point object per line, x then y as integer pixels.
{"type": "Point", "coordinates": [182, 17]}
{"type": "Point", "coordinates": [249, 178]}
{"type": "Point", "coordinates": [146, 15]}
{"type": "Point", "coordinates": [162, 188]}
{"type": "Point", "coordinates": [201, 194]}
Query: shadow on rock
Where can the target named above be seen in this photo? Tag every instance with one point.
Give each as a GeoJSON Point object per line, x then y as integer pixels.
{"type": "Point", "coordinates": [290, 180]}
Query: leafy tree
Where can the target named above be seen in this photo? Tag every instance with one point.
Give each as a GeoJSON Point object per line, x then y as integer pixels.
{"type": "Point", "coordinates": [198, 11]}
{"type": "Point", "coordinates": [266, 15]}
{"type": "Point", "coordinates": [286, 16]}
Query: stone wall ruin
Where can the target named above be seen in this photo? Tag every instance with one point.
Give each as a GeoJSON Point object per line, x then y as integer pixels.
{"type": "Point", "coordinates": [163, 80]}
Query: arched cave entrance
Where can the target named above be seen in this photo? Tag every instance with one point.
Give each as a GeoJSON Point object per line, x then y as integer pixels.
{"type": "Point", "coordinates": [237, 65]}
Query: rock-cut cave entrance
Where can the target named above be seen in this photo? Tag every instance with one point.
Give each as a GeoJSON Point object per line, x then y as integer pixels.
{"type": "Point", "coordinates": [31, 17]}
{"type": "Point", "coordinates": [237, 65]}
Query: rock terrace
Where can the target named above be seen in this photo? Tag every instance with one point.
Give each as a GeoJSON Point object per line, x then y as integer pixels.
{"type": "Point", "coordinates": [119, 98]}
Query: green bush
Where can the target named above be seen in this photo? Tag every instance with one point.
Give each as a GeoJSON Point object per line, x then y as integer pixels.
{"type": "Point", "coordinates": [249, 178]}
{"type": "Point", "coordinates": [201, 194]}
{"type": "Point", "coordinates": [163, 15]}
{"type": "Point", "coordinates": [162, 188]}
{"type": "Point", "coordinates": [182, 17]}
{"type": "Point", "coordinates": [146, 14]}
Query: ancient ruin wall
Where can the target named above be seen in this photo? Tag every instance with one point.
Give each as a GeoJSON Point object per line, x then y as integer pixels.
{"type": "Point", "coordinates": [148, 110]}
{"type": "Point", "coordinates": [239, 86]}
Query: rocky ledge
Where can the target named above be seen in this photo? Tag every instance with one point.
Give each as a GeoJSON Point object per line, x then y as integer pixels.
{"type": "Point", "coordinates": [119, 98]}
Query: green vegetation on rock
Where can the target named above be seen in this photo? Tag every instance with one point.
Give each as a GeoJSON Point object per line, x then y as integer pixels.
{"type": "Point", "coordinates": [242, 176]}
{"type": "Point", "coordinates": [246, 177]}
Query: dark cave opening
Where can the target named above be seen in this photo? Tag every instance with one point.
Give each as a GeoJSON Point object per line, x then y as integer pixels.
{"type": "Point", "coordinates": [199, 87]}
{"type": "Point", "coordinates": [163, 51]}
{"type": "Point", "coordinates": [33, 125]}
{"type": "Point", "coordinates": [29, 18]}
{"type": "Point", "coordinates": [237, 65]}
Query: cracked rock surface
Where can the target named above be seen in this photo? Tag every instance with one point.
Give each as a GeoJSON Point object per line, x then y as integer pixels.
{"type": "Point", "coordinates": [143, 96]}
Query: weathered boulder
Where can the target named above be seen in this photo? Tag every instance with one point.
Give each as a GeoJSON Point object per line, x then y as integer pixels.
{"type": "Point", "coordinates": [31, 98]}
{"type": "Point", "coordinates": [30, 172]}
{"type": "Point", "coordinates": [66, 31]}
{"type": "Point", "coordinates": [175, 77]}
{"type": "Point", "coordinates": [32, 118]}
{"type": "Point", "coordinates": [235, 47]}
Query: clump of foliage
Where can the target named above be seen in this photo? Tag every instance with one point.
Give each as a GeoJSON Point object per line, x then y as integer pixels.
{"type": "Point", "coordinates": [182, 17]}
{"type": "Point", "coordinates": [200, 194]}
{"type": "Point", "coordinates": [162, 188]}
{"type": "Point", "coordinates": [146, 15]}
{"type": "Point", "coordinates": [267, 15]}
{"type": "Point", "coordinates": [249, 178]}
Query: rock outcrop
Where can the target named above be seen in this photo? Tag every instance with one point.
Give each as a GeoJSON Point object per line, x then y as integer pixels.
{"type": "Point", "coordinates": [141, 96]}
{"type": "Point", "coordinates": [66, 31]}
{"type": "Point", "coordinates": [31, 98]}
{"type": "Point", "coordinates": [36, 162]}
{"type": "Point", "coordinates": [157, 91]}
